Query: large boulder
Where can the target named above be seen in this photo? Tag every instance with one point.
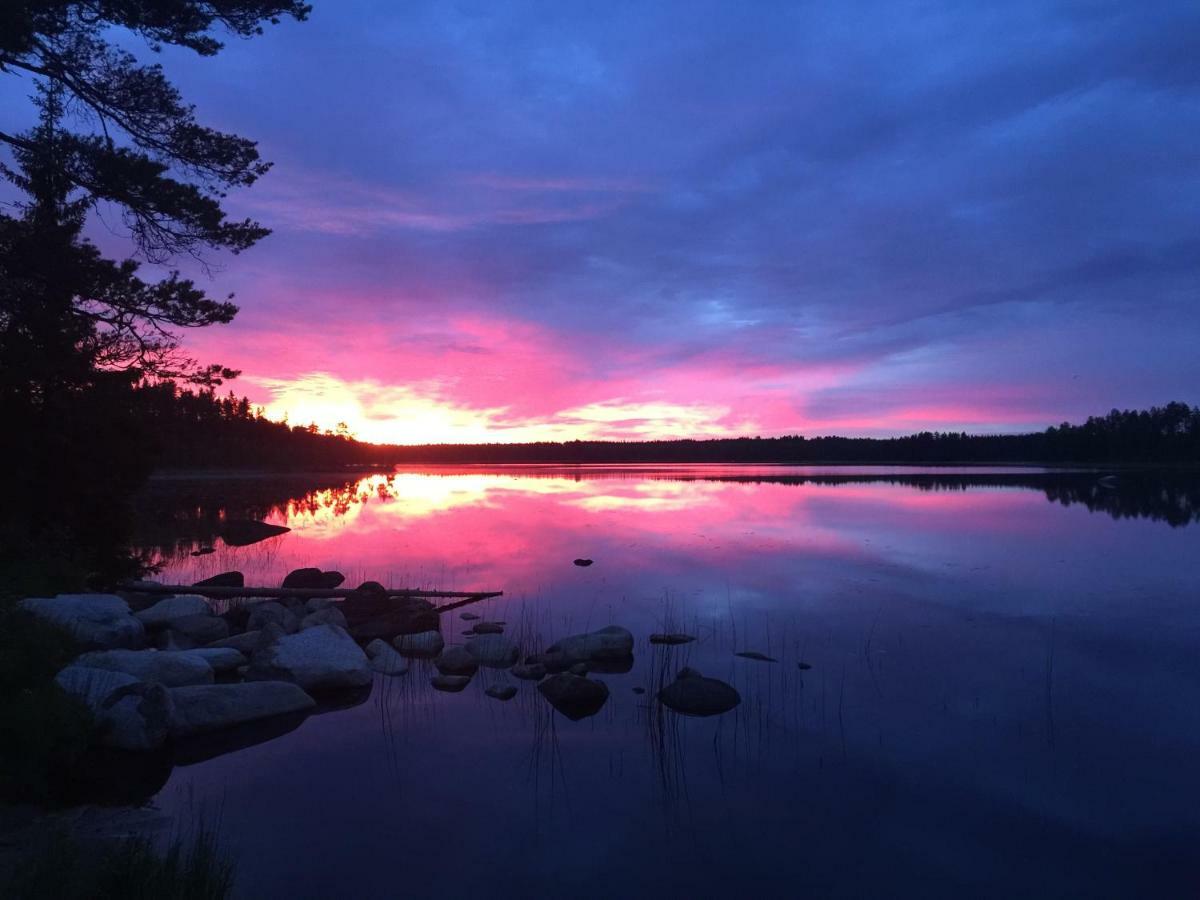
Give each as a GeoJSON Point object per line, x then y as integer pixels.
{"type": "Point", "coordinates": [245, 643]}
{"type": "Point", "coordinates": [574, 696]}
{"type": "Point", "coordinates": [611, 643]}
{"type": "Point", "coordinates": [215, 706]}
{"type": "Point", "coordinates": [170, 669]}
{"type": "Point", "coordinates": [330, 615]}
{"type": "Point", "coordinates": [691, 694]}
{"type": "Point", "coordinates": [424, 644]}
{"type": "Point", "coordinates": [98, 621]}
{"type": "Point", "coordinates": [312, 579]}
{"type": "Point", "coordinates": [162, 613]}
{"type": "Point", "coordinates": [384, 659]}
{"type": "Point", "coordinates": [321, 658]}
{"type": "Point", "coordinates": [494, 651]}
{"type": "Point", "coordinates": [262, 614]}
{"type": "Point", "coordinates": [187, 632]}
{"type": "Point", "coordinates": [223, 579]}
{"type": "Point", "coordinates": [456, 661]}
{"type": "Point", "coordinates": [130, 714]}
{"type": "Point", "coordinates": [373, 614]}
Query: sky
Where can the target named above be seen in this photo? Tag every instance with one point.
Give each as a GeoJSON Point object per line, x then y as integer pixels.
{"type": "Point", "coordinates": [557, 220]}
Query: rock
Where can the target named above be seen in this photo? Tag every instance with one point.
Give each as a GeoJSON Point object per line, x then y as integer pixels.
{"type": "Point", "coordinates": [330, 615]}
{"type": "Point", "coordinates": [574, 696]}
{"type": "Point", "coordinates": [451, 684]}
{"type": "Point", "coordinates": [98, 621]}
{"type": "Point", "coordinates": [130, 714]}
{"type": "Point", "coordinates": [223, 660]}
{"type": "Point", "coordinates": [246, 643]}
{"type": "Point", "coordinates": [487, 628]}
{"type": "Point", "coordinates": [423, 644]}
{"type": "Point", "coordinates": [204, 551]}
{"type": "Point", "coordinates": [493, 651]}
{"type": "Point", "coordinates": [371, 615]}
{"type": "Point", "coordinates": [583, 563]}
{"type": "Point", "coordinates": [501, 691]}
{"type": "Point", "coordinates": [187, 632]}
{"type": "Point", "coordinates": [215, 706]}
{"type": "Point", "coordinates": [691, 694]}
{"type": "Point", "coordinates": [241, 532]}
{"type": "Point", "coordinates": [578, 669]}
{"type": "Point", "coordinates": [469, 616]}
{"type": "Point", "coordinates": [320, 658]}
{"type": "Point", "coordinates": [754, 654]}
{"type": "Point", "coordinates": [456, 661]}
{"type": "Point", "coordinates": [271, 612]}
{"type": "Point", "coordinates": [225, 579]}
{"type": "Point", "coordinates": [803, 666]}
{"type": "Point", "coordinates": [170, 669]}
{"type": "Point", "coordinates": [612, 642]}
{"type": "Point", "coordinates": [384, 659]}
{"type": "Point", "coordinates": [162, 613]}
{"type": "Point", "coordinates": [313, 579]}
{"type": "Point", "coordinates": [671, 638]}
{"type": "Point", "coordinates": [316, 604]}
{"type": "Point", "coordinates": [529, 671]}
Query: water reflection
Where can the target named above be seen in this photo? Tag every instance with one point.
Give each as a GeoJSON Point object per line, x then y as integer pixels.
{"type": "Point", "coordinates": [1002, 689]}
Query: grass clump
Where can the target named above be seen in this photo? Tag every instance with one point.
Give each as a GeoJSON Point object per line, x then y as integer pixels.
{"type": "Point", "coordinates": [131, 869]}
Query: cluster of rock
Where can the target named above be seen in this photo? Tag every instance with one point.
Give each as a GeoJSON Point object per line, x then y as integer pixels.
{"type": "Point", "coordinates": [178, 668]}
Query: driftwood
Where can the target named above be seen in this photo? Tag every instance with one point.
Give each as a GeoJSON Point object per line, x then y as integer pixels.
{"type": "Point", "coordinates": [298, 593]}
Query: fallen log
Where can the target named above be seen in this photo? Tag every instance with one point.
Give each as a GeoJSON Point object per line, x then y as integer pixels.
{"type": "Point", "coordinates": [298, 593]}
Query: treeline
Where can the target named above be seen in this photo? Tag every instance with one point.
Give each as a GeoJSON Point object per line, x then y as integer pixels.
{"type": "Point", "coordinates": [200, 429]}
{"type": "Point", "coordinates": [1168, 434]}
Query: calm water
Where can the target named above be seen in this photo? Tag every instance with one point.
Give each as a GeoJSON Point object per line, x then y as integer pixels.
{"type": "Point", "coordinates": [1004, 694]}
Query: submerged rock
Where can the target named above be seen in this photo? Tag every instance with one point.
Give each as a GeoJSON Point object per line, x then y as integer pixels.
{"type": "Point", "coordinates": [451, 684]}
{"type": "Point", "coordinates": [215, 706]}
{"type": "Point", "coordinates": [384, 659]}
{"type": "Point", "coordinates": [456, 661]}
{"type": "Point", "coordinates": [130, 714]}
{"type": "Point", "coordinates": [574, 696]}
{"type": "Point", "coordinates": [691, 694]}
{"type": "Point", "coordinates": [242, 532]}
{"type": "Point", "coordinates": [754, 654]}
{"type": "Point", "coordinates": [494, 651]}
{"type": "Point", "coordinates": [98, 621]}
{"type": "Point", "coordinates": [611, 643]}
{"type": "Point", "coordinates": [469, 616]}
{"type": "Point", "coordinates": [320, 658]}
{"type": "Point", "coordinates": [529, 671]}
{"type": "Point", "coordinates": [501, 691]}
{"type": "Point", "coordinates": [423, 644]}
{"type": "Point", "coordinates": [224, 579]}
{"type": "Point", "coordinates": [170, 669]}
{"type": "Point", "coordinates": [671, 638]}
{"type": "Point", "coordinates": [487, 628]}
{"type": "Point", "coordinates": [803, 666]}
{"type": "Point", "coordinates": [167, 610]}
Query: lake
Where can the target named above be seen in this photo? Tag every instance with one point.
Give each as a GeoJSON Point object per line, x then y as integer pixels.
{"type": "Point", "coordinates": [1003, 695]}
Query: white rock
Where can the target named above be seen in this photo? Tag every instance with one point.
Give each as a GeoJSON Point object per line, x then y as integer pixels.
{"type": "Point", "coordinates": [317, 658]}
{"type": "Point", "coordinates": [384, 659]}
{"type": "Point", "coordinates": [213, 706]}
{"type": "Point", "coordinates": [161, 613]}
{"type": "Point", "coordinates": [97, 620]}
{"type": "Point", "coordinates": [170, 669]}
{"type": "Point", "coordinates": [130, 714]}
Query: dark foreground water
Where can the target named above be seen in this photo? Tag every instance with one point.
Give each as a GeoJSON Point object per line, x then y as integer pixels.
{"type": "Point", "coordinates": [1003, 699]}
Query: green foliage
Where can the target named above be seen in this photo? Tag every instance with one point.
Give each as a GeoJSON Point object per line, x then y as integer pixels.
{"type": "Point", "coordinates": [128, 870]}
